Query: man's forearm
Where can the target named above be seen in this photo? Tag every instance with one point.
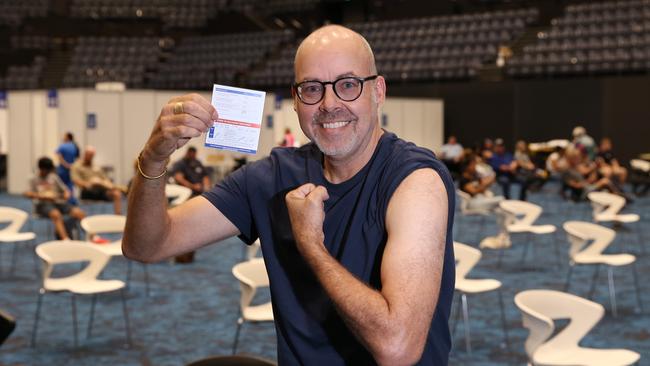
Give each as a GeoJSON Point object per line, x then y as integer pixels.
{"type": "Point", "coordinates": [366, 312]}
{"type": "Point", "coordinates": [147, 219]}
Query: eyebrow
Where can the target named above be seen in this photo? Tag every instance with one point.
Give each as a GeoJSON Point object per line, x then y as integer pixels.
{"type": "Point", "coordinates": [343, 75]}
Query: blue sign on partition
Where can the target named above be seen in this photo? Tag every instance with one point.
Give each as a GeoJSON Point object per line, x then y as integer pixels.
{"type": "Point", "coordinates": [278, 102]}
{"type": "Point", "coordinates": [91, 121]}
{"type": "Point", "coordinates": [269, 121]}
{"type": "Point", "coordinates": [384, 120]}
{"type": "Point", "coordinates": [3, 99]}
{"type": "Point", "coordinates": [52, 98]}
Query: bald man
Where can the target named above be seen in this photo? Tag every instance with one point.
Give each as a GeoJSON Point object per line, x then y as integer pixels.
{"type": "Point", "coordinates": [355, 226]}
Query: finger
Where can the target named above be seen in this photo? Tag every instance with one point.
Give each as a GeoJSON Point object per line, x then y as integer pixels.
{"type": "Point", "coordinates": [197, 98]}
{"type": "Point", "coordinates": [319, 193]}
{"type": "Point", "coordinates": [301, 192]}
{"type": "Point", "coordinates": [197, 110]}
{"type": "Point", "coordinates": [183, 120]}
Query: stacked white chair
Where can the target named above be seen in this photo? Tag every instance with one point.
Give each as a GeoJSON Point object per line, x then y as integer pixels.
{"type": "Point", "coordinates": [84, 282]}
{"type": "Point", "coordinates": [540, 307]}
{"type": "Point", "coordinates": [606, 207]}
{"type": "Point", "coordinates": [11, 234]}
{"type": "Point", "coordinates": [520, 217]}
{"type": "Point", "coordinates": [111, 224]}
{"type": "Point", "coordinates": [467, 210]}
{"type": "Point", "coordinates": [177, 194]}
{"type": "Point", "coordinates": [251, 275]}
{"type": "Point", "coordinates": [582, 233]}
{"type": "Point", "coordinates": [466, 258]}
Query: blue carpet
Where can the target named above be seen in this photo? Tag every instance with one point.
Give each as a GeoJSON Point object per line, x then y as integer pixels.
{"type": "Point", "coordinates": [192, 309]}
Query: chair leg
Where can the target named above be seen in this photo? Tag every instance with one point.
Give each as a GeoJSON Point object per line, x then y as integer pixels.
{"type": "Point", "coordinates": [639, 239]}
{"type": "Point", "coordinates": [92, 315]}
{"type": "Point", "coordinates": [456, 317]}
{"type": "Point", "coordinates": [74, 318]}
{"type": "Point", "coordinates": [35, 260]}
{"type": "Point", "coordinates": [41, 292]}
{"type": "Point", "coordinates": [468, 344]}
{"type": "Point", "coordinates": [128, 272]}
{"type": "Point", "coordinates": [557, 250]}
{"type": "Point", "coordinates": [12, 269]}
{"type": "Point", "coordinates": [240, 321]}
{"type": "Point", "coordinates": [592, 290]}
{"type": "Point", "coordinates": [636, 287]}
{"type": "Point", "coordinates": [146, 279]}
{"type": "Point", "coordinates": [523, 256]}
{"type": "Point", "coordinates": [612, 291]}
{"type": "Point", "coordinates": [126, 318]}
{"type": "Point", "coordinates": [568, 278]}
{"type": "Point", "coordinates": [503, 319]}
{"type": "Point", "coordinates": [501, 250]}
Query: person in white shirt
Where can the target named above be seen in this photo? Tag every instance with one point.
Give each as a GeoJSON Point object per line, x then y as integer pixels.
{"type": "Point", "coordinates": [452, 155]}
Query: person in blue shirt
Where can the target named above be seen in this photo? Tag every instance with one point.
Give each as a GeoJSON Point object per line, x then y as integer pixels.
{"type": "Point", "coordinates": [67, 153]}
{"type": "Point", "coordinates": [505, 167]}
{"type": "Point", "coordinates": [355, 226]}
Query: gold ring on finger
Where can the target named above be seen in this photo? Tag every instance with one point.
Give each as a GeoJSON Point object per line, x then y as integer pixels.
{"type": "Point", "coordinates": [178, 108]}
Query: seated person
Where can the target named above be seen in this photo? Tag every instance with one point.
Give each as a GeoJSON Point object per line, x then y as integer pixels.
{"type": "Point", "coordinates": [190, 172]}
{"type": "Point", "coordinates": [452, 154]}
{"type": "Point", "coordinates": [526, 169]}
{"type": "Point", "coordinates": [580, 177]}
{"type": "Point", "coordinates": [93, 182]}
{"type": "Point", "coordinates": [506, 167]}
{"type": "Point", "coordinates": [478, 187]}
{"type": "Point", "coordinates": [608, 165]}
{"type": "Point", "coordinates": [50, 196]}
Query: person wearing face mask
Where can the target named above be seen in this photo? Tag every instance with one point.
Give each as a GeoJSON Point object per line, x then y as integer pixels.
{"type": "Point", "coordinates": [355, 226]}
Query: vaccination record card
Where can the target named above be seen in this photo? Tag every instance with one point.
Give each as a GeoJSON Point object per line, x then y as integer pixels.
{"type": "Point", "coordinates": [240, 119]}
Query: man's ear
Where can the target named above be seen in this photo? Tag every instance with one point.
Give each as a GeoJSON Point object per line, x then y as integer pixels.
{"type": "Point", "coordinates": [295, 99]}
{"type": "Point", "coordinates": [380, 90]}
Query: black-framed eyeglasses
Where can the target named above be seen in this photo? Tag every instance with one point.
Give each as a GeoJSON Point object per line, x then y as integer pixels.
{"type": "Point", "coordinates": [348, 88]}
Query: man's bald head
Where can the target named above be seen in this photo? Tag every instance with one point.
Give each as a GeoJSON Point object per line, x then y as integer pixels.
{"type": "Point", "coordinates": [333, 38]}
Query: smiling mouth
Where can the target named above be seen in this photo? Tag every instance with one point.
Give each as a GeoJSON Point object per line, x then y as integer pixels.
{"type": "Point", "coordinates": [335, 124]}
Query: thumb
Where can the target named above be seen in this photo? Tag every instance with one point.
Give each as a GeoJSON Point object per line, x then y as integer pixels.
{"type": "Point", "coordinates": [302, 191]}
{"type": "Point", "coordinates": [319, 193]}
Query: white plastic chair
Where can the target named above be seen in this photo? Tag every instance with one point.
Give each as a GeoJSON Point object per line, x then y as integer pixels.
{"type": "Point", "coordinates": [465, 210]}
{"type": "Point", "coordinates": [520, 217]}
{"type": "Point", "coordinates": [11, 233]}
{"type": "Point", "coordinates": [540, 307]}
{"type": "Point", "coordinates": [251, 250]}
{"type": "Point", "coordinates": [84, 282]}
{"type": "Point", "coordinates": [111, 224]}
{"type": "Point", "coordinates": [580, 234]}
{"type": "Point", "coordinates": [251, 275]}
{"type": "Point", "coordinates": [466, 258]}
{"type": "Point", "coordinates": [606, 207]}
{"type": "Point", "coordinates": [177, 194]}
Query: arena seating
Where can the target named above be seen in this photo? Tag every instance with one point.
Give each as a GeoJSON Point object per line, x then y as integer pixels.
{"type": "Point", "coordinates": [24, 77]}
{"type": "Point", "coordinates": [12, 12]}
{"type": "Point", "coordinates": [591, 38]}
{"type": "Point", "coordinates": [173, 13]}
{"type": "Point", "coordinates": [446, 47]}
{"type": "Point", "coordinates": [97, 59]}
{"type": "Point", "coordinates": [199, 61]}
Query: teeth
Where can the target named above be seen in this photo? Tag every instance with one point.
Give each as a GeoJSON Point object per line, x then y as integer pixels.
{"type": "Point", "coordinates": [335, 124]}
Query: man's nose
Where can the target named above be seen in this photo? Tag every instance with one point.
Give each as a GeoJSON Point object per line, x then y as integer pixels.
{"type": "Point", "coordinates": [330, 100]}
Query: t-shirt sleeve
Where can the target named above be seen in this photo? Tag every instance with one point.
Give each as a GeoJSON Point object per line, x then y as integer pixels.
{"type": "Point", "coordinates": [230, 196]}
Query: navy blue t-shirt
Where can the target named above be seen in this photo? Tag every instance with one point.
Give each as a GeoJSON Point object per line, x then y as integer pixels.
{"type": "Point", "coordinates": [309, 330]}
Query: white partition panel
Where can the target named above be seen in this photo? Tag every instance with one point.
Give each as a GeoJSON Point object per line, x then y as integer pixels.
{"type": "Point", "coordinates": [413, 121]}
{"type": "Point", "coordinates": [138, 115]}
{"type": "Point", "coordinates": [106, 135]}
{"type": "Point", "coordinates": [72, 115]}
{"type": "Point", "coordinates": [4, 131]}
{"type": "Point", "coordinates": [21, 160]}
{"type": "Point", "coordinates": [393, 116]}
{"type": "Point", "coordinates": [433, 124]}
